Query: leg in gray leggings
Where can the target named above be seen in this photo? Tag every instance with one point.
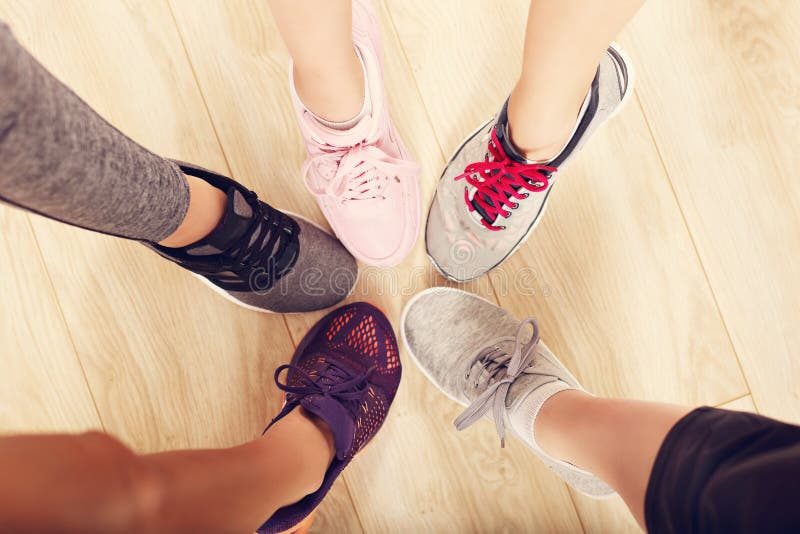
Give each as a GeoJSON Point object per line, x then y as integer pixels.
{"type": "Point", "coordinates": [60, 159]}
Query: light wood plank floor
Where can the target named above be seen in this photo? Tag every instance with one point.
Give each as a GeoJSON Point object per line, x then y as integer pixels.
{"type": "Point", "coordinates": [666, 268]}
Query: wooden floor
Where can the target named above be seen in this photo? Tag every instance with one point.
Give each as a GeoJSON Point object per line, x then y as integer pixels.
{"type": "Point", "coordinates": [667, 267]}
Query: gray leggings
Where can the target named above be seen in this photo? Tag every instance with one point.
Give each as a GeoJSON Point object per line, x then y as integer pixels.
{"type": "Point", "coordinates": [60, 159]}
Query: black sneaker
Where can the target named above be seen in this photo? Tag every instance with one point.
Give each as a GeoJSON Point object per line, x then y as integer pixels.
{"type": "Point", "coordinates": [264, 259]}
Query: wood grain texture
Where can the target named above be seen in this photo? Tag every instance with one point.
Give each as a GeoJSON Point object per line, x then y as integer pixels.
{"type": "Point", "coordinates": [171, 364]}
{"type": "Point", "coordinates": [743, 404]}
{"type": "Point", "coordinates": [260, 138]}
{"type": "Point", "coordinates": [42, 386]}
{"type": "Point", "coordinates": [719, 86]}
{"type": "Point", "coordinates": [663, 270]}
{"type": "Point", "coordinates": [612, 255]}
{"type": "Point", "coordinates": [611, 272]}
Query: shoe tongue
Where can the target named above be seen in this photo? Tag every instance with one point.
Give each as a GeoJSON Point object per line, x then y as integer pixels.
{"type": "Point", "coordinates": [505, 138]}
{"type": "Point", "coordinates": [501, 128]}
{"type": "Point", "coordinates": [234, 224]}
{"type": "Point", "coordinates": [524, 383]}
{"type": "Point", "coordinates": [336, 417]}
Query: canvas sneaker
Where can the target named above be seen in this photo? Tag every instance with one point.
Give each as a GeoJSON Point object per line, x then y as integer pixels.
{"type": "Point", "coordinates": [493, 364]}
{"type": "Point", "coordinates": [363, 178]}
{"type": "Point", "coordinates": [346, 372]}
{"type": "Point", "coordinates": [265, 259]}
{"type": "Point", "coordinates": [490, 198]}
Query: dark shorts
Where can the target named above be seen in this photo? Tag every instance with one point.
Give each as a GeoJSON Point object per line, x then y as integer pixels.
{"type": "Point", "coordinates": [726, 472]}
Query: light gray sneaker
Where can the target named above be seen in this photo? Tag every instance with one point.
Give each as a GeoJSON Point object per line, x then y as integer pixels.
{"type": "Point", "coordinates": [490, 362]}
{"type": "Point", "coordinates": [489, 200]}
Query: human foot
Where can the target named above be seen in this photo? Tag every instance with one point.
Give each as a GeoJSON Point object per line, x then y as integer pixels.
{"type": "Point", "coordinates": [363, 178]}
{"type": "Point", "coordinates": [542, 139]}
{"type": "Point", "coordinates": [489, 200]}
{"type": "Point", "coordinates": [345, 371]}
{"type": "Point", "coordinates": [492, 363]}
{"type": "Point", "coordinates": [264, 259]}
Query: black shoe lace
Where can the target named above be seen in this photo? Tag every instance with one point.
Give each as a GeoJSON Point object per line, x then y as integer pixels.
{"type": "Point", "coordinates": [265, 253]}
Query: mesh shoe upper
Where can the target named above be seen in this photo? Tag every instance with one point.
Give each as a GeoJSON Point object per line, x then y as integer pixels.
{"type": "Point", "coordinates": [346, 371]}
{"type": "Point", "coordinates": [359, 338]}
{"type": "Point", "coordinates": [470, 230]}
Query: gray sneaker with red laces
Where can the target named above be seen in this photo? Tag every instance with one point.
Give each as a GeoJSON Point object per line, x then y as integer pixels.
{"type": "Point", "coordinates": [490, 198]}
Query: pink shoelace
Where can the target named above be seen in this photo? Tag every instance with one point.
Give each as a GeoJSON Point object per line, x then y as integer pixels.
{"type": "Point", "coordinates": [360, 172]}
{"type": "Point", "coordinates": [501, 179]}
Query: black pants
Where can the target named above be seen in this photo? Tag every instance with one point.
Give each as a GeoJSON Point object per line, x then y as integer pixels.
{"type": "Point", "coordinates": [726, 472]}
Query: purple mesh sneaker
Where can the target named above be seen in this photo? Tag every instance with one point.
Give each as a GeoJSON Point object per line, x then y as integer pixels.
{"type": "Point", "coordinates": [346, 372]}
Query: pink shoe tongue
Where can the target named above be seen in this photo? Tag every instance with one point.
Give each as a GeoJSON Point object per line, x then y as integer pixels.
{"type": "Point", "coordinates": [336, 417]}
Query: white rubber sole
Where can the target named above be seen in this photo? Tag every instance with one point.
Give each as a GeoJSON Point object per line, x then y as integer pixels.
{"type": "Point", "coordinates": [624, 102]}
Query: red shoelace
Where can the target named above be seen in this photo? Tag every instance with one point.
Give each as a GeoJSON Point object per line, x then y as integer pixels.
{"type": "Point", "coordinates": [501, 179]}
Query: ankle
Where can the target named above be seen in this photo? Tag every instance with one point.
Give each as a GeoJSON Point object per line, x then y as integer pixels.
{"type": "Point", "coordinates": [297, 450]}
{"type": "Point", "coordinates": [540, 133]}
{"type": "Point", "coordinates": [207, 206]}
{"type": "Point", "coordinates": [333, 90]}
{"type": "Point", "coordinates": [314, 441]}
{"type": "Point", "coordinates": [542, 140]}
{"type": "Point", "coordinates": [557, 413]}
{"type": "Point", "coordinates": [321, 432]}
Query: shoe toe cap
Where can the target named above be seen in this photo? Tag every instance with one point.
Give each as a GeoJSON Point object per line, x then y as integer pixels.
{"type": "Point", "coordinates": [471, 323]}
{"type": "Point", "coordinates": [325, 272]}
{"type": "Point", "coordinates": [380, 234]}
{"type": "Point", "coordinates": [450, 246]}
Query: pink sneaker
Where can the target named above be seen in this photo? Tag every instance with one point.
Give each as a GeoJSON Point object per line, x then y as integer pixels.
{"type": "Point", "coordinates": [363, 178]}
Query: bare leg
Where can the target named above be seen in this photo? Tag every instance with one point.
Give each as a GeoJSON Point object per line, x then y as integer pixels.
{"type": "Point", "coordinates": [616, 439]}
{"type": "Point", "coordinates": [327, 71]}
{"type": "Point", "coordinates": [564, 42]}
{"type": "Point", "coordinates": [207, 204]}
{"type": "Point", "coordinates": [93, 484]}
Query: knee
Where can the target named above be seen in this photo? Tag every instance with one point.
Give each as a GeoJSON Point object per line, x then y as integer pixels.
{"type": "Point", "coordinates": [132, 489]}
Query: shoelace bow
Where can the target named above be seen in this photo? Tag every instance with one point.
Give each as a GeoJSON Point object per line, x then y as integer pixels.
{"type": "Point", "coordinates": [264, 244]}
{"type": "Point", "coordinates": [360, 172]}
{"type": "Point", "coordinates": [500, 179]}
{"type": "Point", "coordinates": [493, 361]}
{"type": "Point", "coordinates": [331, 381]}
